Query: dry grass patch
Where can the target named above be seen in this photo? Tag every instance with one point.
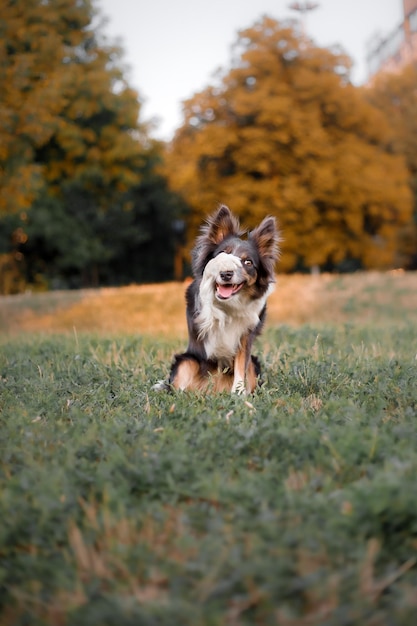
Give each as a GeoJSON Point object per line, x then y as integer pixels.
{"type": "Point", "coordinates": [160, 309]}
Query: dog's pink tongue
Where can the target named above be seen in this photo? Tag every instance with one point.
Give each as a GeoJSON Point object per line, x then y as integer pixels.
{"type": "Point", "coordinates": [225, 291]}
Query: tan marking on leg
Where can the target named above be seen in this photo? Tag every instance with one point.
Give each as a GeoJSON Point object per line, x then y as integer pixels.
{"type": "Point", "coordinates": [251, 377]}
{"type": "Point", "coordinates": [187, 376]}
{"type": "Point", "coordinates": [222, 382]}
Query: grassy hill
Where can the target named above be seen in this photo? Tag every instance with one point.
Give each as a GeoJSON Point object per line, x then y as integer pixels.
{"type": "Point", "coordinates": [295, 506]}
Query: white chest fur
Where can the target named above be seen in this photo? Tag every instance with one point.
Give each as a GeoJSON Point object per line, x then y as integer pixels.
{"type": "Point", "coordinates": [222, 323]}
{"type": "Point", "coordinates": [222, 327]}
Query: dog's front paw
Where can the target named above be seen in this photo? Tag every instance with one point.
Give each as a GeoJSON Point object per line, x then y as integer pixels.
{"type": "Point", "coordinates": [239, 388]}
{"type": "Point", "coordinates": [161, 385]}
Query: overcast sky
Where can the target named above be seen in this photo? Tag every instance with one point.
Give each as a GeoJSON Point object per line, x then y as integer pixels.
{"type": "Point", "coordinates": [173, 47]}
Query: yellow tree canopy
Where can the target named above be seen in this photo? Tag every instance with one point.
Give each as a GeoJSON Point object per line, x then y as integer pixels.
{"type": "Point", "coordinates": [285, 133]}
{"type": "Point", "coordinates": [66, 112]}
{"type": "Point", "coordinates": [396, 96]}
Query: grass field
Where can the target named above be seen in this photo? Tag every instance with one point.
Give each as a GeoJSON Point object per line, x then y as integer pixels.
{"type": "Point", "coordinates": [296, 506]}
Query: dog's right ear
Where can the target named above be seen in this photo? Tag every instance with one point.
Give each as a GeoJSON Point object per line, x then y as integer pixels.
{"type": "Point", "coordinates": [220, 225]}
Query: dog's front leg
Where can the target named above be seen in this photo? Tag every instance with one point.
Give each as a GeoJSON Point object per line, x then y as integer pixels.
{"type": "Point", "coordinates": [240, 366]}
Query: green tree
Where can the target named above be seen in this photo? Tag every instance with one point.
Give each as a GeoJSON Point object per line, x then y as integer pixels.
{"type": "Point", "coordinates": [133, 240]}
{"type": "Point", "coordinates": [284, 132]}
{"type": "Point", "coordinates": [396, 96]}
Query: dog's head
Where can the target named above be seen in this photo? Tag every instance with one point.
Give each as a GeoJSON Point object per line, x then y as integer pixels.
{"type": "Point", "coordinates": [235, 264]}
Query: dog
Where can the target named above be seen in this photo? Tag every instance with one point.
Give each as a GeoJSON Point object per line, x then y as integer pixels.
{"type": "Point", "coordinates": [226, 306]}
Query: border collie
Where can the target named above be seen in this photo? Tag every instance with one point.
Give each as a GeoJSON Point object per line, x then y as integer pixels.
{"type": "Point", "coordinates": [226, 306]}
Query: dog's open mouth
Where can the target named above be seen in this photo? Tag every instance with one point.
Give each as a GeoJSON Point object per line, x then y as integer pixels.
{"type": "Point", "coordinates": [227, 291]}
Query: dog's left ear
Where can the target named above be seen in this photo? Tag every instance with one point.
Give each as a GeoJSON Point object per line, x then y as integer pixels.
{"type": "Point", "coordinates": [266, 237]}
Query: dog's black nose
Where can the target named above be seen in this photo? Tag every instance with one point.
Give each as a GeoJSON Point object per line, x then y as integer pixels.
{"type": "Point", "coordinates": [226, 276]}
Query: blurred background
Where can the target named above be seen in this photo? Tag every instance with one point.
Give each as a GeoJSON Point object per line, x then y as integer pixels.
{"type": "Point", "coordinates": [303, 110]}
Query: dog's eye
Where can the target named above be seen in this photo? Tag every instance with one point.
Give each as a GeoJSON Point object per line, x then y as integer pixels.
{"type": "Point", "coordinates": [248, 262]}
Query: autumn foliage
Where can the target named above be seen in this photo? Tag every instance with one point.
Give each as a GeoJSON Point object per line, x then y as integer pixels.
{"type": "Point", "coordinates": [66, 111]}
{"type": "Point", "coordinates": [284, 132]}
{"type": "Point", "coordinates": [84, 200]}
{"type": "Point", "coordinates": [396, 96]}
{"type": "Point", "coordinates": [80, 195]}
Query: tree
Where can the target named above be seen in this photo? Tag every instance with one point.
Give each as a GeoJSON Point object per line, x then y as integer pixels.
{"type": "Point", "coordinates": [396, 96]}
{"type": "Point", "coordinates": [68, 243]}
{"type": "Point", "coordinates": [66, 111]}
{"type": "Point", "coordinates": [284, 132]}
{"type": "Point", "coordinates": [74, 157]}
